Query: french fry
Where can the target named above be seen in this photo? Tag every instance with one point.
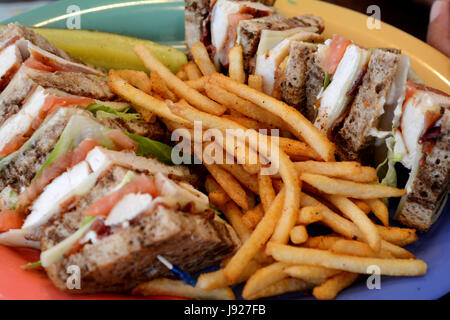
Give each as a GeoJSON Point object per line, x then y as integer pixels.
{"type": "Point", "coordinates": [252, 217]}
{"type": "Point", "coordinates": [202, 59]}
{"type": "Point", "coordinates": [218, 197]}
{"type": "Point", "coordinates": [229, 184]}
{"type": "Point", "coordinates": [362, 205]}
{"type": "Point", "coordinates": [281, 287]}
{"type": "Point", "coordinates": [177, 288]}
{"type": "Point", "coordinates": [256, 82]}
{"type": "Point", "coordinates": [255, 242]}
{"type": "Point", "coordinates": [141, 101]}
{"type": "Point", "coordinates": [298, 234]}
{"type": "Point", "coordinates": [248, 123]}
{"type": "Point", "coordinates": [242, 106]}
{"type": "Point", "coordinates": [181, 74]}
{"type": "Point", "coordinates": [263, 278]}
{"type": "Point", "coordinates": [309, 214]}
{"type": "Point", "coordinates": [295, 148]}
{"type": "Point", "coordinates": [300, 126]}
{"type": "Point", "coordinates": [380, 210]}
{"type": "Point", "coordinates": [353, 248]}
{"type": "Point", "coordinates": [245, 178]}
{"type": "Point", "coordinates": [351, 189]}
{"type": "Point", "coordinates": [216, 279]}
{"type": "Point", "coordinates": [192, 71]}
{"type": "Point", "coordinates": [331, 287]}
{"type": "Point", "coordinates": [236, 68]}
{"type": "Point", "coordinates": [266, 191]}
{"type": "Point", "coordinates": [350, 210]}
{"type": "Point", "coordinates": [160, 88]}
{"type": "Point", "coordinates": [391, 267]}
{"type": "Point", "coordinates": [176, 85]}
{"type": "Point", "coordinates": [396, 251]}
{"type": "Point", "coordinates": [344, 170]}
{"type": "Point", "coordinates": [198, 84]}
{"type": "Point", "coordinates": [234, 216]}
{"type": "Point", "coordinates": [322, 242]}
{"type": "Point", "coordinates": [138, 79]}
{"type": "Point", "coordinates": [211, 184]}
{"type": "Point", "coordinates": [311, 274]}
{"type": "Point", "coordinates": [399, 236]}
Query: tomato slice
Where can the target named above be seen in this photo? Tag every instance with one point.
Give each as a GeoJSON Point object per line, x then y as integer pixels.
{"type": "Point", "coordinates": [121, 140]}
{"type": "Point", "coordinates": [103, 206]}
{"type": "Point", "coordinates": [10, 219]}
{"type": "Point", "coordinates": [15, 144]}
{"type": "Point", "coordinates": [58, 167]}
{"type": "Point", "coordinates": [336, 51]}
{"type": "Point", "coordinates": [51, 101]}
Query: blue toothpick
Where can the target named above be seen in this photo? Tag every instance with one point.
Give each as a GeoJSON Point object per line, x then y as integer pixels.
{"type": "Point", "coordinates": [182, 274]}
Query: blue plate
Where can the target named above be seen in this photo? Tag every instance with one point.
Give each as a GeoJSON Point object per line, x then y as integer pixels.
{"type": "Point", "coordinates": [163, 21]}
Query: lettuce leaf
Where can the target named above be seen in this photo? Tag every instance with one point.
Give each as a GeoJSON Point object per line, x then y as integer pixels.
{"type": "Point", "coordinates": [388, 176]}
{"type": "Point", "coordinates": [326, 80]}
{"type": "Point", "coordinates": [102, 111]}
{"type": "Point", "coordinates": [147, 146]}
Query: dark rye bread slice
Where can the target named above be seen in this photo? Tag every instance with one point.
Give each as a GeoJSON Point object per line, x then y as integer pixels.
{"type": "Point", "coordinates": [293, 87]}
{"type": "Point", "coordinates": [15, 29]}
{"type": "Point", "coordinates": [315, 77]}
{"type": "Point", "coordinates": [249, 31]}
{"type": "Point", "coordinates": [430, 185]}
{"type": "Point", "coordinates": [354, 139]}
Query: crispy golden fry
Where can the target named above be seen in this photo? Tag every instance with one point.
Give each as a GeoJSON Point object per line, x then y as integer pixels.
{"type": "Point", "coordinates": [309, 214]}
{"type": "Point", "coordinates": [236, 68]}
{"type": "Point", "coordinates": [295, 148]}
{"type": "Point", "coordinates": [141, 101]}
{"type": "Point", "coordinates": [331, 287]}
{"type": "Point", "coordinates": [353, 248]}
{"type": "Point", "coordinates": [176, 85]}
{"type": "Point", "coordinates": [380, 210]}
{"type": "Point", "coordinates": [300, 126]}
{"type": "Point", "coordinates": [399, 236]}
{"type": "Point", "coordinates": [362, 205]}
{"type": "Point", "coordinates": [322, 242]}
{"type": "Point", "coordinates": [192, 71]}
{"type": "Point", "coordinates": [396, 251]}
{"type": "Point", "coordinates": [350, 188]}
{"type": "Point", "coordinates": [263, 278]}
{"type": "Point", "coordinates": [234, 216]}
{"type": "Point", "coordinates": [160, 88]}
{"type": "Point", "coordinates": [242, 106]}
{"type": "Point", "coordinates": [391, 267]}
{"type": "Point", "coordinates": [281, 287]}
{"type": "Point", "coordinates": [248, 123]}
{"type": "Point", "coordinates": [350, 210]}
{"type": "Point", "coordinates": [177, 288]}
{"type": "Point", "coordinates": [138, 79]}
{"type": "Point", "coordinates": [245, 178]}
{"type": "Point", "coordinates": [181, 74]}
{"type": "Point", "coordinates": [229, 184]}
{"type": "Point", "coordinates": [311, 274]}
{"type": "Point", "coordinates": [266, 191]}
{"type": "Point", "coordinates": [344, 170]}
{"type": "Point", "coordinates": [211, 184]}
{"type": "Point", "coordinates": [216, 279]}
{"type": "Point", "coordinates": [218, 197]}
{"type": "Point", "coordinates": [198, 84]}
{"type": "Point", "coordinates": [202, 59]}
{"type": "Point", "coordinates": [252, 217]}
{"type": "Point", "coordinates": [298, 234]}
{"type": "Point", "coordinates": [256, 82]}
{"type": "Point", "coordinates": [255, 242]}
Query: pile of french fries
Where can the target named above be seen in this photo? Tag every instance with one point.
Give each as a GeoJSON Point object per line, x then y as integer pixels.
{"type": "Point", "coordinates": [272, 214]}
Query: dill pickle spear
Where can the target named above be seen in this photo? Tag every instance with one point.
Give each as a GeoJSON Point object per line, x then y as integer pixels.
{"type": "Point", "coordinates": [109, 51]}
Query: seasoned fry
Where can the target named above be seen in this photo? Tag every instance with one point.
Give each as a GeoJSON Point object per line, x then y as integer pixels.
{"type": "Point", "coordinates": [266, 191]}
{"type": "Point", "coordinates": [236, 68]}
{"type": "Point", "coordinates": [198, 84]}
{"type": "Point", "coordinates": [181, 74]}
{"type": "Point", "coordinates": [350, 210]}
{"type": "Point", "coordinates": [192, 71]}
{"type": "Point", "coordinates": [298, 234]}
{"type": "Point", "coordinates": [255, 82]}
{"type": "Point", "coordinates": [201, 58]}
{"type": "Point", "coordinates": [218, 197]}
{"type": "Point", "coordinates": [211, 184]}
{"type": "Point", "coordinates": [396, 251]}
{"type": "Point", "coordinates": [309, 214]}
{"type": "Point", "coordinates": [353, 248]}
{"type": "Point", "coordinates": [234, 216]}
{"type": "Point", "coordinates": [399, 236]}
{"type": "Point", "coordinates": [263, 278]}
{"type": "Point", "coordinates": [391, 267]}
{"type": "Point", "coordinates": [229, 184]}
{"type": "Point", "coordinates": [322, 242]}
{"type": "Point", "coordinates": [344, 170]}
{"type": "Point", "coordinates": [331, 287]}
{"type": "Point", "coordinates": [255, 242]}
{"type": "Point", "coordinates": [138, 79]}
{"type": "Point", "coordinates": [177, 288]}
{"type": "Point", "coordinates": [245, 178]}
{"type": "Point", "coordinates": [295, 148]}
{"type": "Point", "coordinates": [176, 85]}
{"type": "Point", "coordinates": [160, 88]}
{"type": "Point", "coordinates": [380, 210]}
{"type": "Point", "coordinates": [281, 287]}
{"type": "Point", "coordinates": [301, 127]}
{"type": "Point", "coordinates": [311, 274]}
{"type": "Point", "coordinates": [351, 189]}
{"type": "Point", "coordinates": [216, 279]}
{"type": "Point", "coordinates": [362, 205]}
{"type": "Point", "coordinates": [141, 101]}
{"type": "Point", "coordinates": [252, 217]}
{"type": "Point", "coordinates": [248, 123]}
